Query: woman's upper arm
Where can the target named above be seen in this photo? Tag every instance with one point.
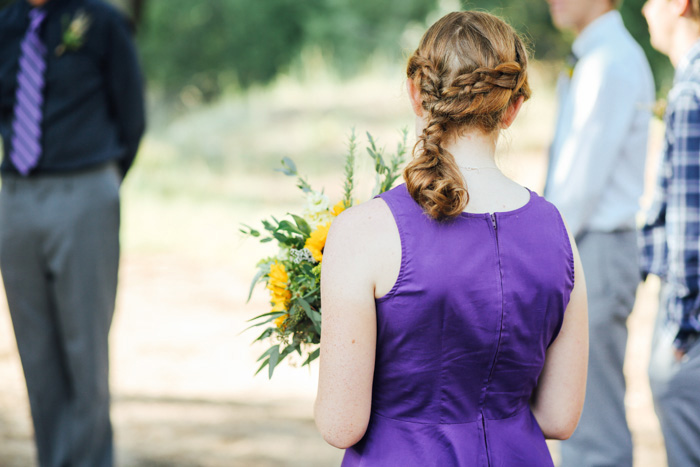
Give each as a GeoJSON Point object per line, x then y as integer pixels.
{"type": "Point", "coordinates": [561, 389]}
{"type": "Point", "coordinates": [348, 333]}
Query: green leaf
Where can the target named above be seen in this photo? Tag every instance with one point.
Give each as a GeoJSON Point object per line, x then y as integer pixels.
{"type": "Point", "coordinates": [264, 364]}
{"type": "Point", "coordinates": [272, 316]}
{"type": "Point", "coordinates": [250, 231]}
{"type": "Point", "coordinates": [289, 227]}
{"type": "Point", "coordinates": [274, 359]}
{"type": "Point", "coordinates": [269, 351]}
{"type": "Point", "coordinates": [270, 313]}
{"type": "Point", "coordinates": [265, 334]}
{"type": "Point", "coordinates": [312, 356]}
{"type": "Point", "coordinates": [313, 315]}
{"type": "Point", "coordinates": [257, 278]}
{"type": "Point", "coordinates": [288, 167]}
{"type": "Point", "coordinates": [308, 270]}
{"type": "Point", "coordinates": [302, 225]}
{"type": "Point", "coordinates": [268, 226]}
{"type": "Point", "coordinates": [281, 238]}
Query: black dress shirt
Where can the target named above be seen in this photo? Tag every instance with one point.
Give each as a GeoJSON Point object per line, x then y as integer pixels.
{"type": "Point", "coordinates": [93, 98]}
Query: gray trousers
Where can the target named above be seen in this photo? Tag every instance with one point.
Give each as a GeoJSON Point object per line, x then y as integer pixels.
{"type": "Point", "coordinates": [602, 437]}
{"type": "Point", "coordinates": [59, 256]}
{"type": "Point", "coordinates": [675, 387]}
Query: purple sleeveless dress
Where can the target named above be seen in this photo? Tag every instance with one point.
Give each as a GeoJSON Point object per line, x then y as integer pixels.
{"type": "Point", "coordinates": [462, 335]}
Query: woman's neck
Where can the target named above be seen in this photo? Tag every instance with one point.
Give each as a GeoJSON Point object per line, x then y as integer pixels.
{"type": "Point", "coordinates": [473, 149]}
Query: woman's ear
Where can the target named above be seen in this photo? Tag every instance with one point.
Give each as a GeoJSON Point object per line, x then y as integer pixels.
{"type": "Point", "coordinates": [512, 112]}
{"type": "Point", "coordinates": [414, 96]}
{"type": "Point", "coordinates": [681, 7]}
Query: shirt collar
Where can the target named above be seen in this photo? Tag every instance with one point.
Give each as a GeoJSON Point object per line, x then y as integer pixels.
{"type": "Point", "coordinates": [597, 31]}
{"type": "Point", "coordinates": [690, 56]}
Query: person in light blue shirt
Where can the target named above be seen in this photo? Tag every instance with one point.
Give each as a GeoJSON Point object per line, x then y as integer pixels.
{"type": "Point", "coordinates": [595, 178]}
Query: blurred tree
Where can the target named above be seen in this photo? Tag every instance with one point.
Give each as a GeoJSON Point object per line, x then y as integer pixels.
{"type": "Point", "coordinates": [348, 31]}
{"type": "Point", "coordinates": [205, 44]}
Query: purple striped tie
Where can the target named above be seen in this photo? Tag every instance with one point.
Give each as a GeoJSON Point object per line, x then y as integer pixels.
{"type": "Point", "coordinates": [26, 140]}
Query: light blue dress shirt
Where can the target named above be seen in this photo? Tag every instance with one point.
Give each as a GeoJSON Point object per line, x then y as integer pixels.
{"type": "Point", "coordinates": [597, 157]}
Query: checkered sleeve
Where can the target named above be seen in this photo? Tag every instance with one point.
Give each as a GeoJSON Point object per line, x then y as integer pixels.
{"type": "Point", "coordinates": [682, 214]}
{"type": "Point", "coordinates": [652, 235]}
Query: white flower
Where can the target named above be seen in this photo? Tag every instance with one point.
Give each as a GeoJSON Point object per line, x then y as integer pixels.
{"type": "Point", "coordinates": [316, 202]}
{"type": "Point", "coordinates": [317, 209]}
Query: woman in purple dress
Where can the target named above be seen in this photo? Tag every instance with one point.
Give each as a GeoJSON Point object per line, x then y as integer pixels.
{"type": "Point", "coordinates": [454, 306]}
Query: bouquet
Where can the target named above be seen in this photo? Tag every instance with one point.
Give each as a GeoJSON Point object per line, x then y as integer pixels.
{"type": "Point", "coordinates": [293, 275]}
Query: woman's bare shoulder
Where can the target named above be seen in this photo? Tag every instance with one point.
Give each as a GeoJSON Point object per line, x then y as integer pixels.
{"type": "Point", "coordinates": [372, 217]}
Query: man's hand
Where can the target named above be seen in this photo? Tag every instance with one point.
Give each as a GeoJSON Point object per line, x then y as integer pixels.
{"type": "Point", "coordinates": [678, 354]}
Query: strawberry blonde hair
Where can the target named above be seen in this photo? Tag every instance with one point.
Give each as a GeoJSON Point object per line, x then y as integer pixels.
{"type": "Point", "coordinates": [469, 68]}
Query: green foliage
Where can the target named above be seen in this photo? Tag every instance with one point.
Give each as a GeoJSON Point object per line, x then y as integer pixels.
{"type": "Point", "coordinates": [387, 174]}
{"type": "Point", "coordinates": [210, 44]}
{"type": "Point", "coordinates": [348, 31]}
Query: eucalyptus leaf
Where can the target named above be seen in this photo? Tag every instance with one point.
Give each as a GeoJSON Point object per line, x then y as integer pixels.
{"type": "Point", "coordinates": [312, 356]}
{"type": "Point", "coordinates": [274, 359]}
{"type": "Point", "coordinates": [258, 276]}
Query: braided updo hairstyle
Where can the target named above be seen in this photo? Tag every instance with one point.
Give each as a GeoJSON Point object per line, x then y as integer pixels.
{"type": "Point", "coordinates": [469, 67]}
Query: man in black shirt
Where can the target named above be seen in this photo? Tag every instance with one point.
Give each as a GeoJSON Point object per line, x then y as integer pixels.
{"type": "Point", "coordinates": [71, 118]}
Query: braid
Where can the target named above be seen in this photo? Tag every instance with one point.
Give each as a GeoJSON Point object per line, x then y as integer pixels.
{"type": "Point", "coordinates": [469, 68]}
{"type": "Point", "coordinates": [426, 74]}
{"type": "Point", "coordinates": [439, 195]}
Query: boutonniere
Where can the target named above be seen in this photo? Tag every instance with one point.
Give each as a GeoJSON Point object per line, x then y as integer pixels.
{"type": "Point", "coordinates": [570, 64]}
{"type": "Point", "coordinates": [74, 31]}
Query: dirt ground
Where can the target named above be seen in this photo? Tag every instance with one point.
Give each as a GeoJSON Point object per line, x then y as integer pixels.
{"type": "Point", "coordinates": [182, 378]}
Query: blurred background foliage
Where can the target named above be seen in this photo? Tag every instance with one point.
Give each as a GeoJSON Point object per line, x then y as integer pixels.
{"type": "Point", "coordinates": [197, 49]}
{"type": "Point", "coordinates": [207, 46]}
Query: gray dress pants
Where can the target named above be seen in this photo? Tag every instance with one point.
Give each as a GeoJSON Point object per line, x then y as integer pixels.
{"type": "Point", "coordinates": [59, 256]}
{"type": "Point", "coordinates": [675, 386]}
{"type": "Point", "coordinates": [602, 437]}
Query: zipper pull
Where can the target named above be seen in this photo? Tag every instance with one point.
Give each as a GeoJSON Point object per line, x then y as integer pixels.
{"type": "Point", "coordinates": [493, 220]}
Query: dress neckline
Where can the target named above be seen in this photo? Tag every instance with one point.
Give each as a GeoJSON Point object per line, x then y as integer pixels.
{"type": "Point", "coordinates": [501, 213]}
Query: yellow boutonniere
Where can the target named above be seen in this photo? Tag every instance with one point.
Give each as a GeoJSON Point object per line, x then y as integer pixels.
{"type": "Point", "coordinates": [74, 30]}
{"type": "Point", "coordinates": [570, 64]}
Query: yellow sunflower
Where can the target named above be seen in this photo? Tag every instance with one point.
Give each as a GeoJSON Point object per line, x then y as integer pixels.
{"type": "Point", "coordinates": [279, 322]}
{"type": "Point", "coordinates": [277, 285]}
{"type": "Point", "coordinates": [317, 240]}
{"type": "Point", "coordinates": [339, 207]}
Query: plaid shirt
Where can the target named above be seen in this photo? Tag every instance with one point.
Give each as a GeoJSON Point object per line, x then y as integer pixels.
{"type": "Point", "coordinates": [670, 236]}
